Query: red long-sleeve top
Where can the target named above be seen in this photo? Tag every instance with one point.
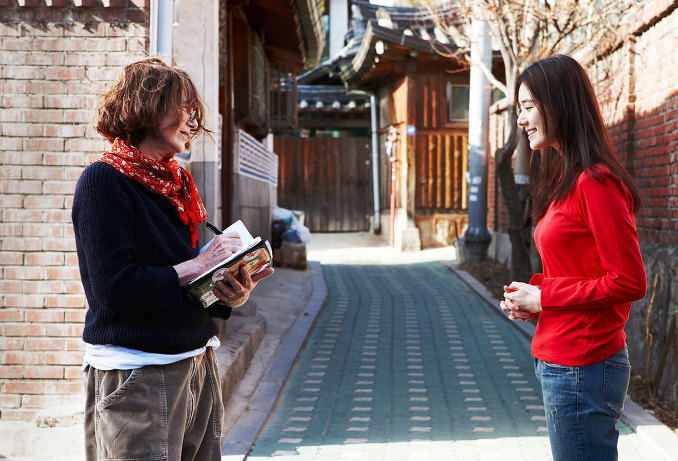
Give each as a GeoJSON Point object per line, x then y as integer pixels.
{"type": "Point", "coordinates": [593, 271]}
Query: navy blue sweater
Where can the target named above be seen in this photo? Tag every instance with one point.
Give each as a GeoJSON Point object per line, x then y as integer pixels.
{"type": "Point", "coordinates": [128, 239]}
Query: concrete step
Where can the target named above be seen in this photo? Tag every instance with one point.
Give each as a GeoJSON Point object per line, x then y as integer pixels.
{"type": "Point", "coordinates": [243, 334]}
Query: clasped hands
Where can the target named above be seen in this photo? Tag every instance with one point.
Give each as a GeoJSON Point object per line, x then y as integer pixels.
{"type": "Point", "coordinates": [522, 301]}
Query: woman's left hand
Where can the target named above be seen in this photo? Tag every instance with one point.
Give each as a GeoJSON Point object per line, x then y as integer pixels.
{"type": "Point", "coordinates": [234, 291]}
{"type": "Point", "coordinates": [521, 301]}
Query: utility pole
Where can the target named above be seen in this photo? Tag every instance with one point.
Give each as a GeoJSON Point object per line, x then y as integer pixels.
{"type": "Point", "coordinates": [477, 238]}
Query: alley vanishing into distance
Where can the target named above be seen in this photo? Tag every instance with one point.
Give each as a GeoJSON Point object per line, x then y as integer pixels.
{"type": "Point", "coordinates": [407, 362]}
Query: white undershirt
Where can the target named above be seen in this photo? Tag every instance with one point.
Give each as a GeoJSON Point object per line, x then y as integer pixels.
{"type": "Point", "coordinates": [110, 357]}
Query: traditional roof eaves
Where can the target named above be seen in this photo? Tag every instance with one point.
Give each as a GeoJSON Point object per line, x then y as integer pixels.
{"type": "Point", "coordinates": [312, 75]}
{"type": "Point", "coordinates": [331, 98]}
{"type": "Point", "coordinates": [400, 14]}
{"type": "Point", "coordinates": [364, 59]}
{"type": "Point", "coordinates": [77, 3]}
{"type": "Point", "coordinates": [310, 17]}
{"type": "Point", "coordinates": [364, 54]}
{"type": "Point", "coordinates": [331, 92]}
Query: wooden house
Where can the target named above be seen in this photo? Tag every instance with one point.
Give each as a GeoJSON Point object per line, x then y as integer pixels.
{"type": "Point", "coordinates": [422, 106]}
{"type": "Point", "coordinates": [324, 165]}
{"type": "Point", "coordinates": [264, 45]}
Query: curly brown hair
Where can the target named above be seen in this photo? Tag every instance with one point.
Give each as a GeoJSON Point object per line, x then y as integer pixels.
{"type": "Point", "coordinates": [144, 92]}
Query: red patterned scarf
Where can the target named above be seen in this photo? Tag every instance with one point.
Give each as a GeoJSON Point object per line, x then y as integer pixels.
{"type": "Point", "coordinates": [163, 178]}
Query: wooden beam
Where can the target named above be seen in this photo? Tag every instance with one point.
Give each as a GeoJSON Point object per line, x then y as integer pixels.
{"type": "Point", "coordinates": [330, 123]}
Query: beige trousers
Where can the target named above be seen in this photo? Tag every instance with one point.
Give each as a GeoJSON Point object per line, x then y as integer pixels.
{"type": "Point", "coordinates": [166, 412]}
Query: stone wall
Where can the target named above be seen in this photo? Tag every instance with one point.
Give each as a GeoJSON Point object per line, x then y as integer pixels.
{"type": "Point", "coordinates": [651, 329]}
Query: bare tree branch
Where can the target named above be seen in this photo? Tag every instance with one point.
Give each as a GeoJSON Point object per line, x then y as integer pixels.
{"type": "Point", "coordinates": [524, 31]}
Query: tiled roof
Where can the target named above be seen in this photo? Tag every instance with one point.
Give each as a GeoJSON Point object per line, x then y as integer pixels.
{"type": "Point", "coordinates": [328, 98]}
{"type": "Point", "coordinates": [77, 3]}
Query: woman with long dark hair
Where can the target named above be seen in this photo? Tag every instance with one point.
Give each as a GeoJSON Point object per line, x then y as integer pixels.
{"type": "Point", "coordinates": [584, 204]}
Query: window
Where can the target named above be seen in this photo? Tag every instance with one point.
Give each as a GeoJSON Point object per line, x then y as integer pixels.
{"type": "Point", "coordinates": [457, 102]}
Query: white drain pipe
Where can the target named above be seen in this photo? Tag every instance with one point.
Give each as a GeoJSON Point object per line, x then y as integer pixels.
{"type": "Point", "coordinates": [162, 20]}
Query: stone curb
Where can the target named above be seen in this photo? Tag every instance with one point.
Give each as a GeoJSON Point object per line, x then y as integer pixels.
{"type": "Point", "coordinates": [649, 428]}
{"type": "Point", "coordinates": [235, 355]}
{"type": "Point", "coordinates": [242, 436]}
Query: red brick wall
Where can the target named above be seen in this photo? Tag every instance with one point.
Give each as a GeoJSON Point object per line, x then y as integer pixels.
{"type": "Point", "coordinates": [55, 61]}
{"type": "Point", "coordinates": [638, 94]}
{"type": "Point", "coordinates": [639, 98]}
{"type": "Point", "coordinates": [655, 156]}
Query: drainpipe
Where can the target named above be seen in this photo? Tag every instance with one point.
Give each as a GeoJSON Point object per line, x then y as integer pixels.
{"type": "Point", "coordinates": [162, 20]}
{"type": "Point", "coordinates": [375, 163]}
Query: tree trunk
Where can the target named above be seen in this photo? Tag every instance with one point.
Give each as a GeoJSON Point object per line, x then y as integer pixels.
{"type": "Point", "coordinates": [520, 257]}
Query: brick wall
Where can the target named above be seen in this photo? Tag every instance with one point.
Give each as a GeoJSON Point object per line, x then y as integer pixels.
{"type": "Point", "coordinates": [55, 61]}
{"type": "Point", "coordinates": [638, 93]}
{"type": "Point", "coordinates": [639, 99]}
{"type": "Point", "coordinates": [655, 156]}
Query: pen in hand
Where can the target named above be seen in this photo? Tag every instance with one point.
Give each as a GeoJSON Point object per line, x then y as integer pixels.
{"type": "Point", "coordinates": [213, 228]}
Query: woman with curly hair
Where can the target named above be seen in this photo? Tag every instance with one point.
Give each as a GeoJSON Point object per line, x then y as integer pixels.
{"type": "Point", "coordinates": [153, 389]}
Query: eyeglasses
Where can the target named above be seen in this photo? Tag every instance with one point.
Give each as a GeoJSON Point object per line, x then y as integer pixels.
{"type": "Point", "coordinates": [192, 114]}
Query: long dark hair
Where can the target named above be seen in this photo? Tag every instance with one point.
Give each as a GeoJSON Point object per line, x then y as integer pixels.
{"type": "Point", "coordinates": [561, 86]}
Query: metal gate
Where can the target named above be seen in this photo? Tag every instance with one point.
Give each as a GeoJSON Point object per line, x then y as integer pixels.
{"type": "Point", "coordinates": [327, 178]}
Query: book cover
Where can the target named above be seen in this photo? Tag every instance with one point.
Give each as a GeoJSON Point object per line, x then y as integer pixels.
{"type": "Point", "coordinates": [256, 254]}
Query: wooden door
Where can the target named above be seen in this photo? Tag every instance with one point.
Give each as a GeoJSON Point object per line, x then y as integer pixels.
{"type": "Point", "coordinates": [441, 166]}
{"type": "Point", "coordinates": [329, 179]}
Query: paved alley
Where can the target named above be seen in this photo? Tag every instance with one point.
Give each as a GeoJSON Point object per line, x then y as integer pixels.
{"type": "Point", "coordinates": [406, 362]}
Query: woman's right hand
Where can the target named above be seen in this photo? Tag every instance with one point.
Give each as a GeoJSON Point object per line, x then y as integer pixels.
{"type": "Point", "coordinates": [521, 301]}
{"type": "Point", "coordinates": [221, 247]}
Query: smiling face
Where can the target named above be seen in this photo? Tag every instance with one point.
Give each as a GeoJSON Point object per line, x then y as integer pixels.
{"type": "Point", "coordinates": [532, 121]}
{"type": "Point", "coordinates": [178, 137]}
{"type": "Point", "coordinates": [172, 138]}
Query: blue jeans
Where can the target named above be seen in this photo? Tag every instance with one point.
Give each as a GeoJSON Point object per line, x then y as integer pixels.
{"type": "Point", "coordinates": [583, 405]}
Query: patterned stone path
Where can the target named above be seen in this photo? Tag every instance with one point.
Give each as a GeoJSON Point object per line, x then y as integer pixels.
{"type": "Point", "coordinates": [406, 362]}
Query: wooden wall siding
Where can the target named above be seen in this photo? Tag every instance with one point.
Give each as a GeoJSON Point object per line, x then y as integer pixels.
{"type": "Point", "coordinates": [428, 101]}
{"type": "Point", "coordinates": [327, 178]}
{"type": "Point", "coordinates": [441, 166]}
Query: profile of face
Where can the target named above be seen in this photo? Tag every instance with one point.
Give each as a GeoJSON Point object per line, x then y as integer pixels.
{"type": "Point", "coordinates": [532, 121]}
{"type": "Point", "coordinates": [172, 138]}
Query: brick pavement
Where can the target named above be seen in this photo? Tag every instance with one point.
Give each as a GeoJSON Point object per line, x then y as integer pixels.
{"type": "Point", "coordinates": [406, 362]}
